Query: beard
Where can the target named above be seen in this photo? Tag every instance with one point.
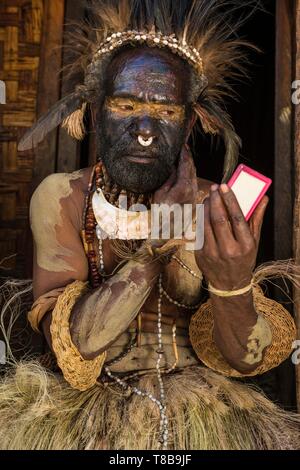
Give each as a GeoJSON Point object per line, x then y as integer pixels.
{"type": "Point", "coordinates": [138, 177]}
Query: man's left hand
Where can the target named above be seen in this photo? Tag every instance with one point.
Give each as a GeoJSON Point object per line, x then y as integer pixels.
{"type": "Point", "coordinates": [228, 256]}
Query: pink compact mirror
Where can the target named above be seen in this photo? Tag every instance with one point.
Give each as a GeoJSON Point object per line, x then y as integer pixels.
{"type": "Point", "coordinates": [249, 187]}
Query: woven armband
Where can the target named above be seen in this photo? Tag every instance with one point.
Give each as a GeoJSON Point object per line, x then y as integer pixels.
{"type": "Point", "coordinates": [81, 374]}
{"type": "Point", "coordinates": [282, 328]}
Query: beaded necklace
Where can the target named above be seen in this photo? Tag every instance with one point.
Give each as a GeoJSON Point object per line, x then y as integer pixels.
{"type": "Point", "coordinates": [91, 231]}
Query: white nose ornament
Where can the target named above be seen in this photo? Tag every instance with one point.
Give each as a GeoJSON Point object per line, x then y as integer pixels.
{"type": "Point", "coordinates": [145, 142]}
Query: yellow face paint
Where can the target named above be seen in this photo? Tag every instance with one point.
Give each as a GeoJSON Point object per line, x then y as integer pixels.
{"type": "Point", "coordinates": [126, 107]}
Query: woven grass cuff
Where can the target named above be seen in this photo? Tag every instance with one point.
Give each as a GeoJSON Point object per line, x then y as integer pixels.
{"type": "Point", "coordinates": [281, 324]}
{"type": "Point", "coordinates": [78, 372]}
{"type": "Point", "coordinates": [230, 293]}
{"type": "Point", "coordinates": [42, 306]}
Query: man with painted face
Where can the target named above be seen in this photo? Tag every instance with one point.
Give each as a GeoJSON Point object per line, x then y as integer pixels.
{"type": "Point", "coordinates": [145, 118]}
{"type": "Point", "coordinates": [127, 320]}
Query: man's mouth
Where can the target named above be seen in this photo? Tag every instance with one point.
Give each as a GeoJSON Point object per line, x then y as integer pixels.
{"type": "Point", "coordinates": [141, 159]}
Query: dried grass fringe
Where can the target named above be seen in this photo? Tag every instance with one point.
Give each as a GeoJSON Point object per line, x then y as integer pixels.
{"type": "Point", "coordinates": [74, 124]}
{"type": "Point", "coordinates": [15, 302]}
{"type": "Point", "coordinates": [40, 411]}
{"type": "Point", "coordinates": [284, 270]}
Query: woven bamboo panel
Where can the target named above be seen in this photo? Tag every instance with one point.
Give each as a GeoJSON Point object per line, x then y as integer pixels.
{"type": "Point", "coordinates": [20, 37]}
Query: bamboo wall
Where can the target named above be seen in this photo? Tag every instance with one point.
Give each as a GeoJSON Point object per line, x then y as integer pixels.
{"type": "Point", "coordinates": [20, 37]}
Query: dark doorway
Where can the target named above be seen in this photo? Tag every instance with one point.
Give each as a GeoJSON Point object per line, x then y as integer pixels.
{"type": "Point", "coordinates": [252, 114]}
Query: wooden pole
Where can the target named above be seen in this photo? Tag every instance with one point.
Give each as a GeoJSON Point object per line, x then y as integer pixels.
{"type": "Point", "coordinates": [68, 149]}
{"type": "Point", "coordinates": [297, 187]}
{"type": "Point", "coordinates": [49, 91]}
{"type": "Point", "coordinates": [283, 178]}
{"type": "Point", "coordinates": [284, 169]}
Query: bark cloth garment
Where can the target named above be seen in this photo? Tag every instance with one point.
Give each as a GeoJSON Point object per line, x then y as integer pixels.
{"type": "Point", "coordinates": [206, 410]}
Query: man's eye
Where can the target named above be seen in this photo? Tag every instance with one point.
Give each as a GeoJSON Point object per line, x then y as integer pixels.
{"type": "Point", "coordinates": [125, 107]}
{"type": "Point", "coordinates": [167, 112]}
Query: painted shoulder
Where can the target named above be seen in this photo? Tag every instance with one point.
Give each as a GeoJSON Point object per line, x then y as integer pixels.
{"type": "Point", "coordinates": [58, 183]}
{"type": "Point", "coordinates": [56, 218]}
{"type": "Point", "coordinates": [58, 188]}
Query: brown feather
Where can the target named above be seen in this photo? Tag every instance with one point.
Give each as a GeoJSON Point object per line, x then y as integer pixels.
{"type": "Point", "coordinates": [50, 121]}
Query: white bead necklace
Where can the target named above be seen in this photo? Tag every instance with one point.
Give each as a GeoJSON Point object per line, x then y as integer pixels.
{"type": "Point", "coordinates": [161, 403]}
{"type": "Point", "coordinates": [184, 266]}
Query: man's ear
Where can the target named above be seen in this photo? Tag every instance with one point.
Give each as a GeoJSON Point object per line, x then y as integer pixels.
{"type": "Point", "coordinates": [191, 123]}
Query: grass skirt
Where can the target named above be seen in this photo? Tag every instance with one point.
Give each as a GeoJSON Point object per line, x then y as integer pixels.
{"type": "Point", "coordinates": [40, 411]}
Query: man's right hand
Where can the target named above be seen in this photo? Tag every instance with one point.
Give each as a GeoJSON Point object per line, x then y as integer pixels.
{"type": "Point", "coordinates": [181, 188]}
{"type": "Point", "coordinates": [182, 185]}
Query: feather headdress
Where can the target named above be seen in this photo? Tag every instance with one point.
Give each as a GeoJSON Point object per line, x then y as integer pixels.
{"type": "Point", "coordinates": [203, 32]}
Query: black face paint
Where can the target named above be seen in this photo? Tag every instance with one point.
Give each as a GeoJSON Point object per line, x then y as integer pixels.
{"type": "Point", "coordinates": [146, 98]}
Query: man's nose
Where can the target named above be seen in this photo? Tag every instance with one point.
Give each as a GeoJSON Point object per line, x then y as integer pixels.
{"type": "Point", "coordinates": [145, 127]}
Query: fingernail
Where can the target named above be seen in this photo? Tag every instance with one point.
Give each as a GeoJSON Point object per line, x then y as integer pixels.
{"type": "Point", "coordinates": [224, 188]}
{"type": "Point", "coordinates": [214, 188]}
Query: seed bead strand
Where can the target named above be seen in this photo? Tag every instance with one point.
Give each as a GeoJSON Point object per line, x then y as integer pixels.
{"type": "Point", "coordinates": [89, 234]}
{"type": "Point", "coordinates": [178, 304]}
{"type": "Point", "coordinates": [163, 438]}
{"type": "Point", "coordinates": [184, 266]}
{"type": "Point", "coordinates": [175, 349]}
{"type": "Point", "coordinates": [101, 180]}
{"type": "Point", "coordinates": [164, 424]}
